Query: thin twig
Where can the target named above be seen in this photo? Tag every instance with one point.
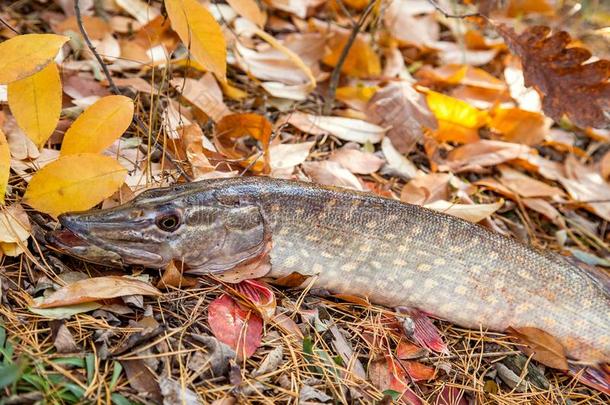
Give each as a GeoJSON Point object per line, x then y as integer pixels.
{"type": "Point", "coordinates": [115, 90]}
{"type": "Point", "coordinates": [9, 26]}
{"type": "Point", "coordinates": [81, 27]}
{"type": "Point", "coordinates": [334, 77]}
{"type": "Point", "coordinates": [447, 15]}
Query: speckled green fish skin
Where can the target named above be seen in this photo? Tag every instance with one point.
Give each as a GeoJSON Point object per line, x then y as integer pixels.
{"type": "Point", "coordinates": [398, 254]}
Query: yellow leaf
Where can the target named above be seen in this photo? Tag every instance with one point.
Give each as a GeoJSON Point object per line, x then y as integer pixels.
{"type": "Point", "coordinates": [5, 165]}
{"type": "Point", "coordinates": [98, 126]}
{"type": "Point", "coordinates": [200, 32]}
{"type": "Point", "coordinates": [74, 183]}
{"type": "Point", "coordinates": [24, 55]}
{"type": "Point", "coordinates": [250, 10]}
{"type": "Point", "coordinates": [36, 103]}
{"type": "Point", "coordinates": [458, 121]}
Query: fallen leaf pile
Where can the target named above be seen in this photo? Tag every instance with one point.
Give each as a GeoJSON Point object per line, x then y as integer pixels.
{"type": "Point", "coordinates": [500, 118]}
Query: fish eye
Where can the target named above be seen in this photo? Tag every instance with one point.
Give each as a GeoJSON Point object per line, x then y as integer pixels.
{"type": "Point", "coordinates": [169, 222]}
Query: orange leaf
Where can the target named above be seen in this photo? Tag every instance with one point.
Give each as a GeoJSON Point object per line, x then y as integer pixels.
{"type": "Point", "coordinates": [292, 280]}
{"type": "Point", "coordinates": [418, 371]}
{"type": "Point", "coordinates": [240, 329]}
{"type": "Point", "coordinates": [234, 126]}
{"type": "Point", "coordinates": [519, 126]}
{"type": "Point", "coordinates": [407, 350]}
{"type": "Point", "coordinates": [97, 288]}
{"type": "Point", "coordinates": [541, 346]}
{"type": "Point", "coordinates": [172, 277]}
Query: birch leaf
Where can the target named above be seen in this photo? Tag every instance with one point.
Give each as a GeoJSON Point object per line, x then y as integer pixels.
{"type": "Point", "coordinates": [24, 55]}
{"type": "Point", "coordinates": [74, 183]}
{"type": "Point", "coordinates": [200, 32]}
{"type": "Point", "coordinates": [35, 102]}
{"type": "Point", "coordinates": [98, 126]}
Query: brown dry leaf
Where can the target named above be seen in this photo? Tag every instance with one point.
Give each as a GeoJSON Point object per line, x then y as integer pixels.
{"type": "Point", "coordinates": [347, 129]}
{"type": "Point", "coordinates": [331, 174]}
{"type": "Point", "coordinates": [542, 346]}
{"type": "Point", "coordinates": [604, 166]}
{"type": "Point", "coordinates": [14, 224]}
{"type": "Point", "coordinates": [476, 156]}
{"type": "Point", "coordinates": [95, 289]}
{"type": "Point", "coordinates": [404, 111]}
{"type": "Point", "coordinates": [586, 185]}
{"type": "Point", "coordinates": [141, 379]}
{"type": "Point", "coordinates": [458, 120]}
{"type": "Point", "coordinates": [139, 9]}
{"type": "Point", "coordinates": [402, 21]}
{"type": "Point", "coordinates": [292, 280]}
{"type": "Point", "coordinates": [526, 186]}
{"type": "Point", "coordinates": [288, 65]}
{"type": "Point", "coordinates": [426, 188]}
{"type": "Point", "coordinates": [250, 10]}
{"type": "Point", "coordinates": [5, 165]}
{"type": "Point", "coordinates": [453, 53]}
{"type": "Point", "coordinates": [204, 94]}
{"type": "Point", "coordinates": [558, 71]}
{"type": "Point", "coordinates": [96, 27]}
{"type": "Point", "coordinates": [519, 126]}
{"type": "Point", "coordinates": [284, 156]}
{"type": "Point", "coordinates": [356, 161]}
{"type": "Point", "coordinates": [545, 208]}
{"type": "Point", "coordinates": [397, 163]}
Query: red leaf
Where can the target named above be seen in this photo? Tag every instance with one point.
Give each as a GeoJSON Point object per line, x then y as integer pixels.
{"type": "Point", "coordinates": [238, 328]}
{"type": "Point", "coordinates": [407, 350]}
{"type": "Point", "coordinates": [260, 295]}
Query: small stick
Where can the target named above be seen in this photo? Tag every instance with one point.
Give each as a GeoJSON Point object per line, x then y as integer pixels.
{"type": "Point", "coordinates": [447, 15]}
{"type": "Point", "coordinates": [9, 26]}
{"type": "Point", "coordinates": [115, 90]}
{"type": "Point", "coordinates": [334, 77]}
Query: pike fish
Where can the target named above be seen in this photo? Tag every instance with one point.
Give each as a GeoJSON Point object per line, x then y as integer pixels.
{"type": "Point", "coordinates": [395, 254]}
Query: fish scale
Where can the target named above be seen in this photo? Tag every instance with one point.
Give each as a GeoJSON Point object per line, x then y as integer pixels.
{"type": "Point", "coordinates": [356, 243]}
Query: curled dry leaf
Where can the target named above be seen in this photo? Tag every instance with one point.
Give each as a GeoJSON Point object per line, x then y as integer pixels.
{"type": "Point", "coordinates": [541, 346]}
{"type": "Point", "coordinates": [357, 161]}
{"type": "Point", "coordinates": [397, 164]}
{"type": "Point", "coordinates": [561, 73]}
{"type": "Point", "coordinates": [331, 174]}
{"type": "Point", "coordinates": [234, 126]}
{"type": "Point", "coordinates": [585, 184]}
{"type": "Point", "coordinates": [14, 224]}
{"type": "Point", "coordinates": [24, 55]}
{"type": "Point", "coordinates": [526, 186]}
{"type": "Point", "coordinates": [95, 289]}
{"type": "Point", "coordinates": [74, 183]}
{"type": "Point", "coordinates": [604, 166]}
{"type": "Point", "coordinates": [470, 212]}
{"type": "Point", "coordinates": [290, 74]}
{"type": "Point", "coordinates": [288, 155]}
{"type": "Point", "coordinates": [260, 295]}
{"type": "Point", "coordinates": [199, 31]}
{"type": "Point", "coordinates": [98, 126]}
{"type": "Point", "coordinates": [347, 129]}
{"type": "Point", "coordinates": [238, 328]}
{"type": "Point", "coordinates": [404, 111]}
{"type": "Point", "coordinates": [35, 102]}
{"type": "Point", "coordinates": [476, 156]}
{"type": "Point", "coordinates": [426, 188]}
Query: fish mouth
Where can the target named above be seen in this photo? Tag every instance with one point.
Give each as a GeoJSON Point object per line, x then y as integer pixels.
{"type": "Point", "coordinates": [77, 238]}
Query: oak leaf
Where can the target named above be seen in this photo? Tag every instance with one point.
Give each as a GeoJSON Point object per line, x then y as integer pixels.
{"type": "Point", "coordinates": [559, 73]}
